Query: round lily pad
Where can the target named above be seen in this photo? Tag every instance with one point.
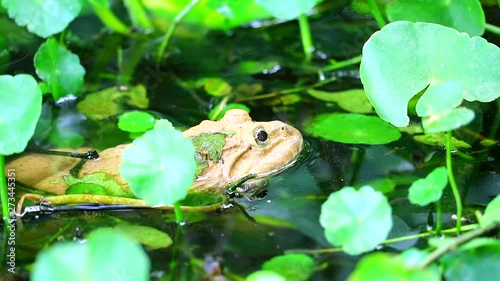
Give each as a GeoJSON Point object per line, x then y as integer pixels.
{"type": "Point", "coordinates": [44, 18]}
{"type": "Point", "coordinates": [353, 128]}
{"type": "Point", "coordinates": [404, 58]}
{"type": "Point", "coordinates": [160, 165]}
{"type": "Point", "coordinates": [21, 107]}
{"type": "Point", "coordinates": [357, 220]}
{"type": "Point", "coordinates": [136, 121]}
{"type": "Point", "coordinates": [425, 191]}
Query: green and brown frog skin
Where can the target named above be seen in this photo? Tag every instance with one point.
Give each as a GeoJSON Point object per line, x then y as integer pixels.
{"type": "Point", "coordinates": [255, 149]}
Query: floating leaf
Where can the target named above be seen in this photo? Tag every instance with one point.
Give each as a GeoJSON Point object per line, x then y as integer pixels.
{"type": "Point", "coordinates": [357, 220]}
{"type": "Point", "coordinates": [107, 255]}
{"type": "Point", "coordinates": [110, 101]}
{"type": "Point", "coordinates": [294, 267]}
{"type": "Point", "coordinates": [265, 275]}
{"type": "Point", "coordinates": [353, 128]}
{"type": "Point", "coordinates": [21, 101]}
{"type": "Point", "coordinates": [492, 212]}
{"type": "Point", "coordinates": [287, 9]}
{"type": "Point", "coordinates": [425, 191]}
{"type": "Point", "coordinates": [59, 68]}
{"type": "Point", "coordinates": [384, 266]}
{"type": "Point", "coordinates": [148, 236]}
{"type": "Point", "coordinates": [462, 15]}
{"type": "Point", "coordinates": [160, 165]}
{"type": "Point", "coordinates": [404, 58]}
{"type": "Point", "coordinates": [44, 18]}
{"type": "Point", "coordinates": [447, 121]}
{"type": "Point", "coordinates": [136, 121]}
{"type": "Point", "coordinates": [439, 140]}
{"type": "Point", "coordinates": [353, 100]}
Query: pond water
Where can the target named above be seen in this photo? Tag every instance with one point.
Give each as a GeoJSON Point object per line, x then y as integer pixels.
{"type": "Point", "coordinates": [287, 219]}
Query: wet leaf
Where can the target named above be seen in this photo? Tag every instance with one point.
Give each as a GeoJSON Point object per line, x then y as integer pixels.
{"type": "Point", "coordinates": [44, 18]}
{"type": "Point", "coordinates": [352, 128]}
{"type": "Point", "coordinates": [107, 255]}
{"type": "Point", "coordinates": [160, 165]}
{"type": "Point", "coordinates": [111, 101]}
{"type": "Point", "coordinates": [147, 236]}
{"type": "Point", "coordinates": [287, 9]}
{"type": "Point", "coordinates": [94, 183]}
{"type": "Point", "coordinates": [351, 100]}
{"type": "Point", "coordinates": [136, 121]}
{"type": "Point", "coordinates": [425, 191]}
{"type": "Point", "coordinates": [384, 266]}
{"type": "Point", "coordinates": [404, 58]}
{"type": "Point", "coordinates": [294, 267]}
{"type": "Point", "coordinates": [59, 68]}
{"type": "Point", "coordinates": [447, 121]}
{"type": "Point", "coordinates": [21, 101]}
{"type": "Point", "coordinates": [492, 212]}
{"type": "Point", "coordinates": [463, 15]}
{"type": "Point", "coordinates": [357, 220]}
{"type": "Point", "coordinates": [265, 275]}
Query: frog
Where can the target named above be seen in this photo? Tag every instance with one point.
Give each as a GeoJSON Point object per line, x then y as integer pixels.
{"type": "Point", "coordinates": [249, 154]}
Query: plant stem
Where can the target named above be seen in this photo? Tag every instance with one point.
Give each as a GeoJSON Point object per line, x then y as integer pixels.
{"type": "Point", "coordinates": [344, 63]}
{"type": "Point", "coordinates": [305, 34]}
{"type": "Point", "coordinates": [178, 213]}
{"type": "Point", "coordinates": [439, 217]}
{"type": "Point", "coordinates": [3, 194]}
{"type": "Point", "coordinates": [457, 241]}
{"type": "Point", "coordinates": [170, 32]}
{"type": "Point", "coordinates": [496, 122]}
{"type": "Point", "coordinates": [376, 13]}
{"type": "Point", "coordinates": [492, 28]}
{"type": "Point", "coordinates": [137, 14]}
{"type": "Point", "coordinates": [453, 184]}
{"type": "Point", "coordinates": [109, 19]}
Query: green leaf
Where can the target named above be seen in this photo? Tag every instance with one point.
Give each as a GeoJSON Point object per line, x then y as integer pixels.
{"type": "Point", "coordinates": [294, 267]}
{"type": "Point", "coordinates": [111, 101]}
{"type": "Point", "coordinates": [255, 67]}
{"type": "Point", "coordinates": [44, 18]}
{"type": "Point", "coordinates": [218, 14]}
{"type": "Point", "coordinates": [136, 121]}
{"type": "Point", "coordinates": [384, 267]}
{"type": "Point", "coordinates": [425, 191]}
{"type": "Point", "coordinates": [21, 102]}
{"type": "Point", "coordinates": [462, 15]}
{"type": "Point", "coordinates": [352, 128]}
{"type": "Point", "coordinates": [160, 165]}
{"type": "Point", "coordinates": [210, 145]}
{"type": "Point", "coordinates": [440, 98]}
{"type": "Point", "coordinates": [287, 9]}
{"type": "Point", "coordinates": [357, 220]}
{"type": "Point", "coordinates": [99, 181]}
{"type": "Point", "coordinates": [59, 68]}
{"type": "Point", "coordinates": [353, 100]}
{"type": "Point", "coordinates": [492, 212]}
{"type": "Point", "coordinates": [216, 87]}
{"type": "Point", "coordinates": [265, 275]}
{"type": "Point", "coordinates": [404, 58]}
{"type": "Point", "coordinates": [438, 139]}
{"type": "Point", "coordinates": [217, 114]}
{"type": "Point", "coordinates": [447, 121]}
{"type": "Point", "coordinates": [107, 255]}
{"type": "Point", "coordinates": [148, 236]}
{"type": "Point", "coordinates": [480, 263]}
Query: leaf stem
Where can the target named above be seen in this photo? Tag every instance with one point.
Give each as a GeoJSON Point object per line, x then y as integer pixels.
{"type": "Point", "coordinates": [137, 14]}
{"type": "Point", "coordinates": [344, 63]}
{"type": "Point", "coordinates": [376, 13]}
{"type": "Point", "coordinates": [178, 213]}
{"type": "Point", "coordinates": [171, 29]}
{"type": "Point", "coordinates": [439, 217]}
{"type": "Point", "coordinates": [492, 28]}
{"type": "Point", "coordinates": [3, 194]}
{"type": "Point", "coordinates": [305, 35]}
{"type": "Point", "coordinates": [453, 184]}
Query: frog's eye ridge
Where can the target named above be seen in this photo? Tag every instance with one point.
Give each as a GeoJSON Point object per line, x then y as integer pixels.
{"type": "Point", "coordinates": [260, 136]}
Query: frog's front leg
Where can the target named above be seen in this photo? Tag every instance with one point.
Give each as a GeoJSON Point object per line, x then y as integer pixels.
{"type": "Point", "coordinates": [250, 187]}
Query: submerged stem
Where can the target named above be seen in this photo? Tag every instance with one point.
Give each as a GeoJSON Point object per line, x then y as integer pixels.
{"type": "Point", "coordinates": [3, 194]}
{"type": "Point", "coordinates": [178, 213]}
{"type": "Point", "coordinates": [453, 184]}
{"type": "Point", "coordinates": [305, 35]}
{"type": "Point", "coordinates": [439, 217]}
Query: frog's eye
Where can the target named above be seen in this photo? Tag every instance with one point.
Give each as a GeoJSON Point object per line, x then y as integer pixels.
{"type": "Point", "coordinates": [260, 136]}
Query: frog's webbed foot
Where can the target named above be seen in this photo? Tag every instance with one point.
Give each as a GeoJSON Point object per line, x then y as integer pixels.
{"type": "Point", "coordinates": [250, 187]}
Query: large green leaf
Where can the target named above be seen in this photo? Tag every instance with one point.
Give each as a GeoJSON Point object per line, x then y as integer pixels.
{"type": "Point", "coordinates": [425, 191]}
{"type": "Point", "coordinates": [404, 58]}
{"type": "Point", "coordinates": [287, 9]}
{"type": "Point", "coordinates": [357, 220]}
{"type": "Point", "coordinates": [59, 68]}
{"type": "Point", "coordinates": [352, 128]}
{"type": "Point", "coordinates": [160, 165]}
{"type": "Point", "coordinates": [492, 212]}
{"type": "Point", "coordinates": [44, 18]}
{"type": "Point", "coordinates": [21, 103]}
{"type": "Point", "coordinates": [219, 14]}
{"type": "Point", "coordinates": [294, 267]}
{"type": "Point", "coordinates": [463, 15]}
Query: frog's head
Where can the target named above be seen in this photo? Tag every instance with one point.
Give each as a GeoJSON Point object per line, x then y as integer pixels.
{"type": "Point", "coordinates": [261, 148]}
